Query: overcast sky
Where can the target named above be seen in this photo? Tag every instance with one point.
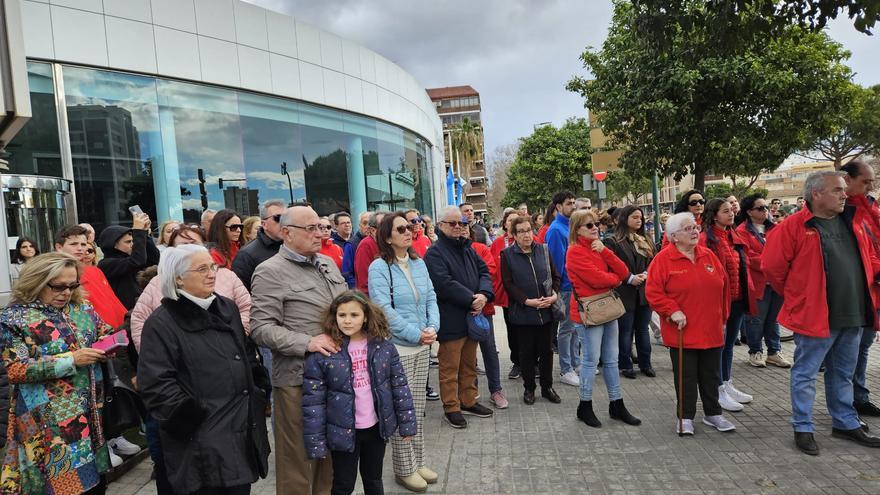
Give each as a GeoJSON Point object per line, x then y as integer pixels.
{"type": "Point", "coordinates": [518, 54]}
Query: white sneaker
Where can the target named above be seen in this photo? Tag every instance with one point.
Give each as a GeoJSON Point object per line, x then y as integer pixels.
{"type": "Point", "coordinates": [757, 360]}
{"type": "Point", "coordinates": [115, 460]}
{"type": "Point", "coordinates": [726, 402]}
{"type": "Point", "coordinates": [123, 446]}
{"type": "Point", "coordinates": [687, 427]}
{"type": "Point", "coordinates": [571, 378]}
{"type": "Point", "coordinates": [598, 371]}
{"type": "Point", "coordinates": [719, 422]}
{"type": "Point", "coordinates": [741, 397]}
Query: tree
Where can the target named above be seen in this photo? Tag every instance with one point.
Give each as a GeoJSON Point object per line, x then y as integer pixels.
{"type": "Point", "coordinates": [695, 104]}
{"type": "Point", "coordinates": [497, 166]}
{"type": "Point", "coordinates": [724, 190]}
{"type": "Point", "coordinates": [621, 185]}
{"type": "Point", "coordinates": [859, 130]}
{"type": "Point", "coordinates": [548, 161]}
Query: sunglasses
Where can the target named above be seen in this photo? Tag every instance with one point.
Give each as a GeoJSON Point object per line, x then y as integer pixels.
{"type": "Point", "coordinates": [455, 224]}
{"type": "Point", "coordinates": [777, 216]}
{"type": "Point", "coordinates": [761, 208]}
{"type": "Point", "coordinates": [415, 221]}
{"type": "Point", "coordinates": [697, 202]}
{"type": "Point", "coordinates": [237, 226]}
{"type": "Point", "coordinates": [401, 229]}
{"type": "Point", "coordinates": [590, 225]}
{"type": "Point", "coordinates": [275, 218]}
{"type": "Point", "coordinates": [59, 288]}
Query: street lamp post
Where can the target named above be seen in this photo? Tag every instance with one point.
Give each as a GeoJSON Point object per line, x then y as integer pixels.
{"type": "Point", "coordinates": [289, 183]}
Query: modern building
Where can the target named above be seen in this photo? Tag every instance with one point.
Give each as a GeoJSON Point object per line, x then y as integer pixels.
{"type": "Point", "coordinates": [454, 104]}
{"type": "Point", "coordinates": [787, 183]}
{"type": "Point", "coordinates": [132, 99]}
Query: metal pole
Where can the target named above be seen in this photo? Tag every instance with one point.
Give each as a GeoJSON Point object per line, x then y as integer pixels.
{"type": "Point", "coordinates": [655, 192]}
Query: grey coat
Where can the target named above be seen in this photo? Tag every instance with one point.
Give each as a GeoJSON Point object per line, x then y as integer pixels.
{"type": "Point", "coordinates": [289, 297]}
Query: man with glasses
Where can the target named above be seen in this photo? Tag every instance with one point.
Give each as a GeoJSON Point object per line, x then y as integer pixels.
{"type": "Point", "coordinates": [350, 249]}
{"type": "Point", "coordinates": [463, 285]}
{"type": "Point", "coordinates": [342, 223]}
{"type": "Point", "coordinates": [366, 252]}
{"type": "Point", "coordinates": [420, 242]}
{"type": "Point", "coordinates": [557, 243]}
{"type": "Point", "coordinates": [480, 232]}
{"type": "Point", "coordinates": [264, 246]}
{"type": "Point", "coordinates": [291, 290]}
{"type": "Point", "coordinates": [859, 184]}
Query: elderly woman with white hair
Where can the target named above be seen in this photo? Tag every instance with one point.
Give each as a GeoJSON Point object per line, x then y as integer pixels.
{"type": "Point", "coordinates": [687, 287]}
{"type": "Point", "coordinates": [200, 378]}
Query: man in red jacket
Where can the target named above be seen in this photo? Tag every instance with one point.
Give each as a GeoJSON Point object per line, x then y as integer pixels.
{"type": "Point", "coordinates": [824, 265]}
{"type": "Point", "coordinates": [859, 181]}
{"type": "Point", "coordinates": [366, 252]}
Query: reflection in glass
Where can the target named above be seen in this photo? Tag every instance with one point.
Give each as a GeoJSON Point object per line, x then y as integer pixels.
{"type": "Point", "coordinates": [35, 149]}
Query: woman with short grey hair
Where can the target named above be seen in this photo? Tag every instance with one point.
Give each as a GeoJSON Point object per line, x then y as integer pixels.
{"type": "Point", "coordinates": [200, 378]}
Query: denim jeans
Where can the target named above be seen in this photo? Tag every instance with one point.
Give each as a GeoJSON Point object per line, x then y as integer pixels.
{"type": "Point", "coordinates": [763, 326]}
{"type": "Point", "coordinates": [599, 342]}
{"type": "Point", "coordinates": [860, 389]}
{"type": "Point", "coordinates": [731, 333]}
{"type": "Point", "coordinates": [840, 353]}
{"type": "Point", "coordinates": [635, 323]}
{"type": "Point", "coordinates": [490, 359]}
{"type": "Point", "coordinates": [154, 444]}
{"type": "Point", "coordinates": [567, 340]}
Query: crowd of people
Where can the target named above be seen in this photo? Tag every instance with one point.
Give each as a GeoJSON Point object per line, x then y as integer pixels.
{"type": "Point", "coordinates": [330, 331]}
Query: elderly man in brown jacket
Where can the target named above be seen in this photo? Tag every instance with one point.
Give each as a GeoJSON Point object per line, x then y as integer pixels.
{"type": "Point", "coordinates": [290, 291]}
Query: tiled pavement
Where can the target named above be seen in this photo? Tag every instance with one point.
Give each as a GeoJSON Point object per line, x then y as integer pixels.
{"type": "Point", "coordinates": [543, 448]}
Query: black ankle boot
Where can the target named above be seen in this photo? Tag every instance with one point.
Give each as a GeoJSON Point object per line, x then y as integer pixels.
{"type": "Point", "coordinates": [618, 411]}
{"type": "Point", "coordinates": [585, 414]}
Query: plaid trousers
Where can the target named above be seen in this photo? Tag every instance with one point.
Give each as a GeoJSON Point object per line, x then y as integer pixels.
{"type": "Point", "coordinates": [409, 456]}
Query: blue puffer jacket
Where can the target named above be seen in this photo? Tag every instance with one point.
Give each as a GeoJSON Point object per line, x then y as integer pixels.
{"type": "Point", "coordinates": [406, 316]}
{"type": "Point", "coordinates": [328, 398]}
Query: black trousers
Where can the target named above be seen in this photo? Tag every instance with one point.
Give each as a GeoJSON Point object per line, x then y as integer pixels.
{"type": "Point", "coordinates": [512, 341]}
{"type": "Point", "coordinates": [369, 450]}
{"type": "Point", "coordinates": [225, 490]}
{"type": "Point", "coordinates": [99, 489]}
{"type": "Point", "coordinates": [702, 370]}
{"type": "Point", "coordinates": [535, 348]}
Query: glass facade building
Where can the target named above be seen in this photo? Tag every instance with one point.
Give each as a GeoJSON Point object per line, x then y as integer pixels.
{"type": "Point", "coordinates": [142, 140]}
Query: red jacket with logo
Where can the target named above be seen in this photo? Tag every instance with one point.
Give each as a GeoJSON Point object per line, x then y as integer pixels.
{"type": "Point", "coordinates": [498, 245]}
{"type": "Point", "coordinates": [696, 288]}
{"type": "Point", "coordinates": [732, 246]}
{"type": "Point", "coordinates": [868, 215]}
{"type": "Point", "coordinates": [591, 273]}
{"type": "Point", "coordinates": [794, 264]}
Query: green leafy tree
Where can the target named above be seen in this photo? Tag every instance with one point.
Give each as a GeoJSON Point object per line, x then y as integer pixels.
{"type": "Point", "coordinates": [723, 190]}
{"type": "Point", "coordinates": [620, 185]}
{"type": "Point", "coordinates": [548, 161]}
{"type": "Point", "coordinates": [858, 132]}
{"type": "Point", "coordinates": [695, 104]}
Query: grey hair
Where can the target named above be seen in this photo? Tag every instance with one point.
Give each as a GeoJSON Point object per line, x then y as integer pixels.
{"type": "Point", "coordinates": [374, 217]}
{"type": "Point", "coordinates": [448, 210]}
{"type": "Point", "coordinates": [675, 223]}
{"type": "Point", "coordinates": [173, 263]}
{"type": "Point", "coordinates": [816, 183]}
{"type": "Point", "coordinates": [264, 208]}
{"type": "Point", "coordinates": [585, 200]}
{"type": "Point", "coordinates": [207, 212]}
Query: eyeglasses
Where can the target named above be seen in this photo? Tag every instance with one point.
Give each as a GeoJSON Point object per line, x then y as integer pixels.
{"type": "Point", "coordinates": [518, 232]}
{"type": "Point", "coordinates": [204, 270]}
{"type": "Point", "coordinates": [415, 221]}
{"type": "Point", "coordinates": [455, 224]}
{"type": "Point", "coordinates": [237, 226]}
{"type": "Point", "coordinates": [401, 229]}
{"type": "Point", "coordinates": [777, 216]}
{"type": "Point", "coordinates": [590, 225]}
{"type": "Point", "coordinates": [761, 208]}
{"type": "Point", "coordinates": [276, 218]}
{"type": "Point", "coordinates": [59, 288]}
{"type": "Point", "coordinates": [691, 228]}
{"type": "Point", "coordinates": [311, 228]}
{"type": "Point", "coordinates": [697, 202]}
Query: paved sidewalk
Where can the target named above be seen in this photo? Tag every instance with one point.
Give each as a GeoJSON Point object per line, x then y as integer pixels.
{"type": "Point", "coordinates": [543, 449]}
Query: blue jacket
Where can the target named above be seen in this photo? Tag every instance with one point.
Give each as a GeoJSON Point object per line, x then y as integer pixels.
{"type": "Point", "coordinates": [458, 273]}
{"type": "Point", "coordinates": [557, 241]}
{"type": "Point", "coordinates": [406, 316]}
{"type": "Point", "coordinates": [328, 398]}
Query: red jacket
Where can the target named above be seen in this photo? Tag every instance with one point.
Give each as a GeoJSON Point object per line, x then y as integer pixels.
{"type": "Point", "coordinates": [793, 263]}
{"type": "Point", "coordinates": [102, 297]}
{"type": "Point", "coordinates": [330, 249]}
{"type": "Point", "coordinates": [591, 273]}
{"type": "Point", "coordinates": [542, 232]}
{"type": "Point", "coordinates": [421, 243]}
{"type": "Point", "coordinates": [486, 255]}
{"type": "Point", "coordinates": [754, 248]}
{"type": "Point", "coordinates": [732, 245]}
{"type": "Point", "coordinates": [498, 245]}
{"type": "Point", "coordinates": [868, 215]}
{"type": "Point", "coordinates": [698, 289]}
{"type": "Point", "coordinates": [222, 260]}
{"type": "Point", "coordinates": [366, 252]}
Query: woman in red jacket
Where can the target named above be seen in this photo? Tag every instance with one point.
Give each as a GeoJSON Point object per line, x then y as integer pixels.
{"type": "Point", "coordinates": [687, 287]}
{"type": "Point", "coordinates": [224, 237]}
{"type": "Point", "coordinates": [754, 224]}
{"type": "Point", "coordinates": [593, 269]}
{"type": "Point", "coordinates": [328, 247]}
{"type": "Point", "coordinates": [720, 238]}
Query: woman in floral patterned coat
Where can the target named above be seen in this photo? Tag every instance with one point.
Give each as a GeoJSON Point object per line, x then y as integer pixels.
{"type": "Point", "coordinates": [54, 440]}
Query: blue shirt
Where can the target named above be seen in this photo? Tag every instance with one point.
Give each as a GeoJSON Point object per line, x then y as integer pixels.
{"type": "Point", "coordinates": [557, 242]}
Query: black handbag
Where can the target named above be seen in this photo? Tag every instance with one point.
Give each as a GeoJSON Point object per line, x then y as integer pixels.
{"type": "Point", "coordinates": [123, 408]}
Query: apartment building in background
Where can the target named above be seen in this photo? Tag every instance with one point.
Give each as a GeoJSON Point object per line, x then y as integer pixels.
{"type": "Point", "coordinates": [453, 105]}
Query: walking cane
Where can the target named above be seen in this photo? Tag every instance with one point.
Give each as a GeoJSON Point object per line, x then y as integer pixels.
{"type": "Point", "coordinates": [680, 381]}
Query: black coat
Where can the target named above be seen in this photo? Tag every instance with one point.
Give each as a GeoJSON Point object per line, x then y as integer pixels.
{"type": "Point", "coordinates": [200, 378]}
{"type": "Point", "coordinates": [121, 269]}
{"type": "Point", "coordinates": [631, 295]}
{"type": "Point", "coordinates": [252, 254]}
{"type": "Point", "coordinates": [457, 272]}
{"type": "Point", "coordinates": [524, 276]}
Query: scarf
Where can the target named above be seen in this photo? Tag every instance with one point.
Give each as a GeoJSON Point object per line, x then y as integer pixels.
{"type": "Point", "coordinates": [642, 246]}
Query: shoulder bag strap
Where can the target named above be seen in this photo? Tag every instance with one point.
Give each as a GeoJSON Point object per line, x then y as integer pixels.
{"type": "Point", "coordinates": [391, 285]}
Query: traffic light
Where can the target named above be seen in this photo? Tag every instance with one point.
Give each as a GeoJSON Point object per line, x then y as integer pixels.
{"type": "Point", "coordinates": [202, 191]}
{"type": "Point", "coordinates": [220, 181]}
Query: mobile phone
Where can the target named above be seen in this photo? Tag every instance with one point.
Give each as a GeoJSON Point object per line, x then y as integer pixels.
{"type": "Point", "coordinates": [136, 210]}
{"type": "Point", "coordinates": [112, 342]}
